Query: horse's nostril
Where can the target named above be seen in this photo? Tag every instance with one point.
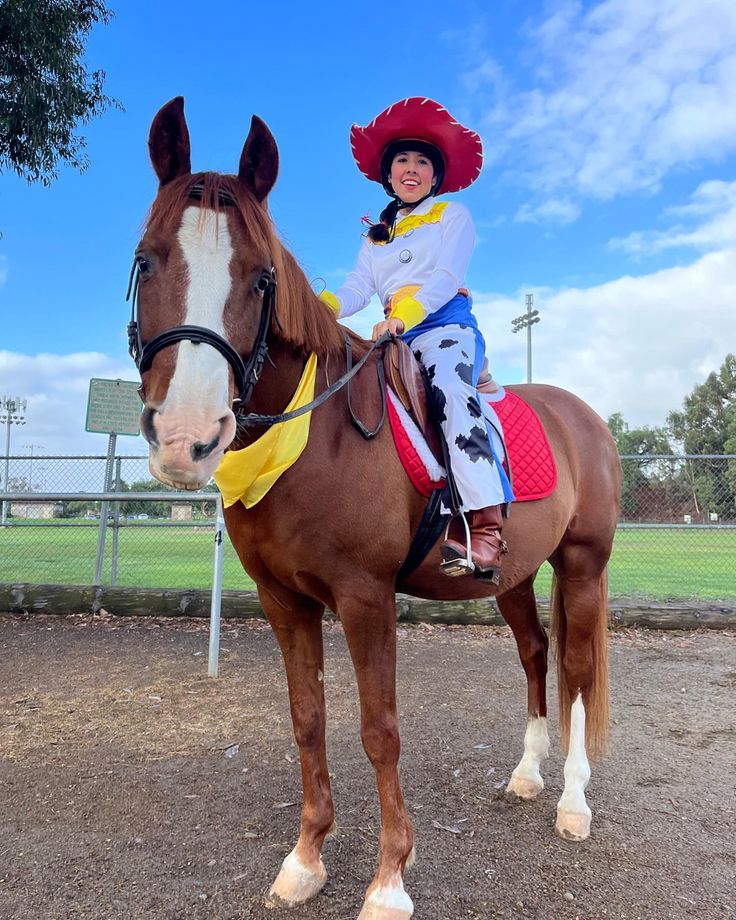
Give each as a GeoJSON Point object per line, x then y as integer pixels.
{"type": "Point", "coordinates": [199, 451]}
{"type": "Point", "coordinates": [148, 428]}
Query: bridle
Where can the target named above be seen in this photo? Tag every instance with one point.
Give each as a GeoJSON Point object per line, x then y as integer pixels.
{"type": "Point", "coordinates": [245, 373]}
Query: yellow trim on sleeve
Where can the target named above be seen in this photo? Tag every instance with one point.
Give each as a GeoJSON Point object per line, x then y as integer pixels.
{"type": "Point", "coordinates": [329, 299]}
{"type": "Point", "coordinates": [409, 311]}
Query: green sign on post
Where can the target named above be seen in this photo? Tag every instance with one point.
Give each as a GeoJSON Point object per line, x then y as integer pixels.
{"type": "Point", "coordinates": [113, 407]}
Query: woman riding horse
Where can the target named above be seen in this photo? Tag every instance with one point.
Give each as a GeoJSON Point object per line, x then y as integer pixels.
{"type": "Point", "coordinates": [416, 258]}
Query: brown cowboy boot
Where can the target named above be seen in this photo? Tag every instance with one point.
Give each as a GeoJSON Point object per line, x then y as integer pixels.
{"type": "Point", "coordinates": [486, 546]}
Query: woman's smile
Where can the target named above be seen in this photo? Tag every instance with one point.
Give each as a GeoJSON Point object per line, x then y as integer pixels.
{"type": "Point", "coordinates": [411, 176]}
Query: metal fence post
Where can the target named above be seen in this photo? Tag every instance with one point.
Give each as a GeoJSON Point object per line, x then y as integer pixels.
{"type": "Point", "coordinates": [116, 525]}
{"type": "Point", "coordinates": [104, 509]}
{"type": "Point", "coordinates": [214, 653]}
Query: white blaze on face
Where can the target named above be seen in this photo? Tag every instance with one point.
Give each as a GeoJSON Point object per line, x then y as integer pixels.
{"type": "Point", "coordinates": [199, 385]}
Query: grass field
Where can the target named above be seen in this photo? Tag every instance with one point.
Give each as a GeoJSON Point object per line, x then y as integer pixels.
{"type": "Point", "coordinates": [149, 556]}
{"type": "Point", "coordinates": [656, 563]}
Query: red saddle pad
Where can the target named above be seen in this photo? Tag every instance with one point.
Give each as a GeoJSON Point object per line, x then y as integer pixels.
{"type": "Point", "coordinates": [533, 469]}
{"type": "Point", "coordinates": [534, 474]}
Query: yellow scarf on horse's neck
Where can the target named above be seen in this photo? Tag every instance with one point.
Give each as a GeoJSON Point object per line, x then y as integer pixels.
{"type": "Point", "coordinates": [248, 474]}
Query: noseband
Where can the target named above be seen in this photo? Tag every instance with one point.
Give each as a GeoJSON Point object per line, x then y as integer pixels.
{"type": "Point", "coordinates": [245, 373]}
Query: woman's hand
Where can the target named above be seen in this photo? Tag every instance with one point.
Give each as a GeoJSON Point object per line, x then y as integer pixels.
{"type": "Point", "coordinates": [394, 326]}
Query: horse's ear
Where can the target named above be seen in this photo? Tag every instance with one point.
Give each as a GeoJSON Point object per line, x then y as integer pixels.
{"type": "Point", "coordinates": [168, 142]}
{"type": "Point", "coordinates": [259, 161]}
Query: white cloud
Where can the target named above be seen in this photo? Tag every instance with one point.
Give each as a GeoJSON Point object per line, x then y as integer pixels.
{"type": "Point", "coordinates": [559, 211]}
{"type": "Point", "coordinates": [623, 92]}
{"type": "Point", "coordinates": [636, 345]}
{"type": "Point", "coordinates": [708, 199]}
{"type": "Point", "coordinates": [713, 203]}
{"type": "Point", "coordinates": [56, 388]}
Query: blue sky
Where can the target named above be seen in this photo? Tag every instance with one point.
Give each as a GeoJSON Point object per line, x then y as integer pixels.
{"type": "Point", "coordinates": [609, 190]}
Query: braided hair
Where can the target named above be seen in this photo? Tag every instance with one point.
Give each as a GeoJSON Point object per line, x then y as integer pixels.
{"type": "Point", "coordinates": [384, 230]}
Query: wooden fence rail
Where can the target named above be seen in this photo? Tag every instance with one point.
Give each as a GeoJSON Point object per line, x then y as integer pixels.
{"type": "Point", "coordinates": [71, 599]}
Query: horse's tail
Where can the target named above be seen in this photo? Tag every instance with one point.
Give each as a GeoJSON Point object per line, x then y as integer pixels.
{"type": "Point", "coordinates": [596, 693]}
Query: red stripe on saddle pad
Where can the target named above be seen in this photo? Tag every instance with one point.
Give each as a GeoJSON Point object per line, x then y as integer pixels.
{"type": "Point", "coordinates": [532, 463]}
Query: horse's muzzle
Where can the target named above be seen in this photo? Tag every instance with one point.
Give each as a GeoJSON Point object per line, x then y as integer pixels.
{"type": "Point", "coordinates": [186, 449]}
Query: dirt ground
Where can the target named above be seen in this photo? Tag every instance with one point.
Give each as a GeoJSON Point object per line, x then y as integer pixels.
{"type": "Point", "coordinates": [132, 785]}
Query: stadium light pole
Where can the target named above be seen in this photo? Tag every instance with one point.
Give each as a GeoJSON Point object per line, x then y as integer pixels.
{"type": "Point", "coordinates": [526, 321]}
{"type": "Point", "coordinates": [30, 471]}
{"type": "Point", "coordinates": [12, 412]}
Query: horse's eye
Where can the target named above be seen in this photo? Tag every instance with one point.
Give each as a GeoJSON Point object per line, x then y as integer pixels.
{"type": "Point", "coordinates": [262, 284]}
{"type": "Point", "coordinates": [144, 264]}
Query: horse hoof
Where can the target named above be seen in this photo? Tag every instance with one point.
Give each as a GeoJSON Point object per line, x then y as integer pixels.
{"type": "Point", "coordinates": [383, 913]}
{"type": "Point", "coordinates": [572, 825]}
{"type": "Point", "coordinates": [296, 883]}
{"type": "Point", "coordinates": [386, 903]}
{"type": "Point", "coordinates": [374, 912]}
{"type": "Point", "coordinates": [524, 788]}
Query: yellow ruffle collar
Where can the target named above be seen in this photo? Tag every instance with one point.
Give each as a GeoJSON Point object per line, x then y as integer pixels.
{"type": "Point", "coordinates": [412, 221]}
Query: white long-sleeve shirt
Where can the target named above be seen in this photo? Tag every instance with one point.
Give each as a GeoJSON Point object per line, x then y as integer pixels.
{"type": "Point", "coordinates": [432, 249]}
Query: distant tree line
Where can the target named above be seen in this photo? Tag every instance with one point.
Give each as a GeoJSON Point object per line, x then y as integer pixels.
{"type": "Point", "coordinates": [132, 508]}
{"type": "Point", "coordinates": [667, 490]}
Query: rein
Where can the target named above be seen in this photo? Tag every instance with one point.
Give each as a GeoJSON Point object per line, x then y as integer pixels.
{"type": "Point", "coordinates": [252, 419]}
{"type": "Point", "coordinates": [246, 373]}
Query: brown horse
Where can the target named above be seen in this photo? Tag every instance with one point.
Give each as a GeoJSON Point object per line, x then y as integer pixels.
{"type": "Point", "coordinates": [334, 530]}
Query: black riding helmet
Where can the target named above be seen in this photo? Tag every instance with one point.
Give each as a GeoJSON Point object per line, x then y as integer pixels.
{"type": "Point", "coordinates": [432, 153]}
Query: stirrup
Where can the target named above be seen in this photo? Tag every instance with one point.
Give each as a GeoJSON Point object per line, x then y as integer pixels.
{"type": "Point", "coordinates": [458, 565]}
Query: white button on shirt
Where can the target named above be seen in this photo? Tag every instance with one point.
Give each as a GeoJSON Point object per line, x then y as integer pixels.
{"type": "Point", "coordinates": [432, 255]}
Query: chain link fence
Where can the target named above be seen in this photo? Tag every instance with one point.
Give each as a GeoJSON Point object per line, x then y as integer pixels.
{"type": "Point", "coordinates": [147, 544]}
{"type": "Point", "coordinates": [676, 537]}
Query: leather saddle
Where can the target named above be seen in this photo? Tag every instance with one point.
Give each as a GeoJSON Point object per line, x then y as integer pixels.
{"type": "Point", "coordinates": [405, 377]}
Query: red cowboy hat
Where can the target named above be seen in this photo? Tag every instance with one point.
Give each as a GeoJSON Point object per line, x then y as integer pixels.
{"type": "Point", "coordinates": [419, 118]}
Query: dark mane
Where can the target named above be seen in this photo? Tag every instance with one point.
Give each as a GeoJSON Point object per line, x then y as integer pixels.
{"type": "Point", "coordinates": [306, 323]}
